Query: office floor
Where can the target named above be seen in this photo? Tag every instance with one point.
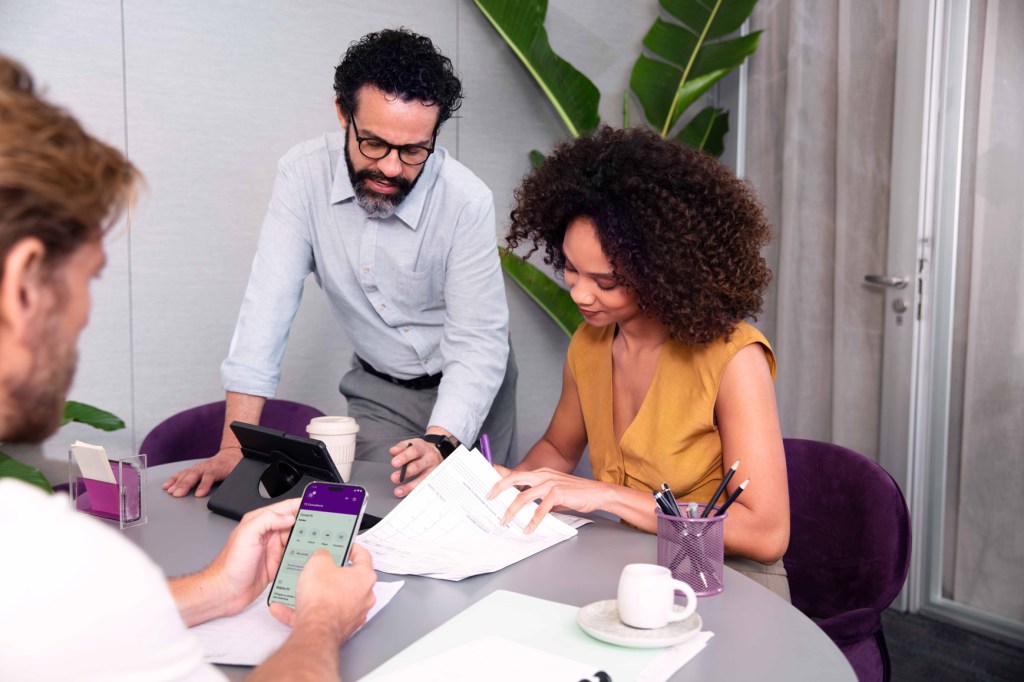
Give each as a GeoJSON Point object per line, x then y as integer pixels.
{"type": "Point", "coordinates": [926, 650]}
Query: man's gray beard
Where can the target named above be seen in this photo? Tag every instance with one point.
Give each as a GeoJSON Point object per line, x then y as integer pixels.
{"type": "Point", "coordinates": [375, 205]}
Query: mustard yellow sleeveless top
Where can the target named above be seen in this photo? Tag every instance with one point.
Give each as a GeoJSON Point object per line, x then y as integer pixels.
{"type": "Point", "coordinates": [674, 438]}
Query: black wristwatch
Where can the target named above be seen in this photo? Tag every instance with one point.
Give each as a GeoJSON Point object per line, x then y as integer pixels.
{"type": "Point", "coordinates": [445, 445]}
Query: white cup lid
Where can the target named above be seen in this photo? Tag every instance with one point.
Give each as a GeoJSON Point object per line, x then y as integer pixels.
{"type": "Point", "coordinates": [332, 426]}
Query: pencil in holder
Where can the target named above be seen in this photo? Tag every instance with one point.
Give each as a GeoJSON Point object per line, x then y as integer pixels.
{"type": "Point", "coordinates": [123, 501]}
{"type": "Point", "coordinates": [694, 550]}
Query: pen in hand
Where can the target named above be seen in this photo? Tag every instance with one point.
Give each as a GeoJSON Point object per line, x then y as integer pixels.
{"type": "Point", "coordinates": [401, 475]}
{"type": "Point", "coordinates": [721, 487]}
{"type": "Point", "coordinates": [732, 498]}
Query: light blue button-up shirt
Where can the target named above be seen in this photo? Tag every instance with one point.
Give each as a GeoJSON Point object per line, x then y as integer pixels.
{"type": "Point", "coordinates": [418, 293]}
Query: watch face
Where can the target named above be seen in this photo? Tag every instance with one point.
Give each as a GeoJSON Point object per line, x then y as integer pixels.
{"type": "Point", "coordinates": [444, 446]}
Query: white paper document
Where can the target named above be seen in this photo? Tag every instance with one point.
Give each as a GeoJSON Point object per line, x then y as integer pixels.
{"type": "Point", "coordinates": [517, 637]}
{"type": "Point", "coordinates": [447, 528]}
{"type": "Point", "coordinates": [249, 637]}
{"type": "Point", "coordinates": [571, 520]}
{"type": "Point", "coordinates": [476, 660]}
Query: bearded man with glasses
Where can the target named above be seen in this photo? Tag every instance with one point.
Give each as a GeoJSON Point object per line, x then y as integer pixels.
{"type": "Point", "coordinates": [401, 238]}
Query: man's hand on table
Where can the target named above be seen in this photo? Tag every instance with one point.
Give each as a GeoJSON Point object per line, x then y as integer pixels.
{"type": "Point", "coordinates": [205, 473]}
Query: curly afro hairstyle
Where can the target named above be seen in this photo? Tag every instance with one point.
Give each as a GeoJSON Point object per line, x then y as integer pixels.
{"type": "Point", "coordinates": [677, 226]}
{"type": "Point", "coordinates": [402, 64]}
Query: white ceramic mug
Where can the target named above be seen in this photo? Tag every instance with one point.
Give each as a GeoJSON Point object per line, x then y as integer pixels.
{"type": "Point", "coordinates": [339, 435]}
{"type": "Point", "coordinates": [646, 597]}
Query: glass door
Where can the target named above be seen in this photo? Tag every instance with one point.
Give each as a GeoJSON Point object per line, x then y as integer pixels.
{"type": "Point", "coordinates": [976, 538]}
{"type": "Point", "coordinates": [963, 434]}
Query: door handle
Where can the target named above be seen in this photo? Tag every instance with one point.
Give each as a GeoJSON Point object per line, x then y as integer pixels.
{"type": "Point", "coordinates": [897, 281]}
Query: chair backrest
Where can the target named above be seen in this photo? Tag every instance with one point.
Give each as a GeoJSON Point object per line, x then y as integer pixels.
{"type": "Point", "coordinates": [849, 544]}
{"type": "Point", "coordinates": [196, 432]}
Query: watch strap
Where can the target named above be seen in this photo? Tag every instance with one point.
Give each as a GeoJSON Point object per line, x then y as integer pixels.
{"type": "Point", "coordinates": [443, 444]}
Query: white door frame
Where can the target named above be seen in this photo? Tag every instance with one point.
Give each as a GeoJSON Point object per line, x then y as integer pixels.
{"type": "Point", "coordinates": [914, 127]}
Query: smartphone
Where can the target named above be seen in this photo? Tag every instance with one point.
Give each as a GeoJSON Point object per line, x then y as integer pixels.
{"type": "Point", "coordinates": [328, 518]}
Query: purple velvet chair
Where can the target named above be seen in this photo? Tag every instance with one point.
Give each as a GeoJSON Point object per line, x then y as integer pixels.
{"type": "Point", "coordinates": [196, 432]}
{"type": "Point", "coordinates": [849, 548]}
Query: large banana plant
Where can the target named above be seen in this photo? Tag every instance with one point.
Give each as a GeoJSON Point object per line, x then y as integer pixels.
{"type": "Point", "coordinates": [692, 55]}
{"type": "Point", "coordinates": [73, 412]}
{"type": "Point", "coordinates": [521, 24]}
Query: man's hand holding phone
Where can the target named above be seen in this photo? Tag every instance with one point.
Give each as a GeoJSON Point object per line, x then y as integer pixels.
{"type": "Point", "coordinates": [331, 597]}
{"type": "Point", "coordinates": [242, 569]}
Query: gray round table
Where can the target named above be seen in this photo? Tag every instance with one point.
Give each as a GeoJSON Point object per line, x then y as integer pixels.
{"type": "Point", "coordinates": [757, 634]}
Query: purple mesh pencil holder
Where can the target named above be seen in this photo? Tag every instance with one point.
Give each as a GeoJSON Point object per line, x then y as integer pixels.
{"type": "Point", "coordinates": [694, 550]}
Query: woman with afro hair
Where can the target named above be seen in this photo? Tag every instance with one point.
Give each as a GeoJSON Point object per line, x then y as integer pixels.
{"type": "Point", "coordinates": [660, 246]}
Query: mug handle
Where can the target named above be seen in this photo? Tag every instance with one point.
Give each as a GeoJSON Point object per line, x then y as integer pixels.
{"type": "Point", "coordinates": [691, 602]}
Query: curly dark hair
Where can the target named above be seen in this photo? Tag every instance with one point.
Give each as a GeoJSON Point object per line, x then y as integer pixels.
{"type": "Point", "coordinates": [402, 64]}
{"type": "Point", "coordinates": [678, 226]}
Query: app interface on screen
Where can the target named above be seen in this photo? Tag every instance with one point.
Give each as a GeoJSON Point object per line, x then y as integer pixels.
{"type": "Point", "coordinates": [326, 519]}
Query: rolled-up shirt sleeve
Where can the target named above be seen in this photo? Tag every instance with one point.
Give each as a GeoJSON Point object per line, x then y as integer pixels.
{"type": "Point", "coordinates": [475, 339]}
{"type": "Point", "coordinates": [284, 258]}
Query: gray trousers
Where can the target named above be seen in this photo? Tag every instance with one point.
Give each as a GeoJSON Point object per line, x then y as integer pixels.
{"type": "Point", "coordinates": [387, 413]}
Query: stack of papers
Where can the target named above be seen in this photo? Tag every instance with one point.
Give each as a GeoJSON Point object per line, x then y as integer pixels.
{"type": "Point", "coordinates": [448, 529]}
{"type": "Point", "coordinates": [511, 637]}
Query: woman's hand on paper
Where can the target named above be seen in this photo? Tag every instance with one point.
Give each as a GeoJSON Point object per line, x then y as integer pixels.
{"type": "Point", "coordinates": [552, 489]}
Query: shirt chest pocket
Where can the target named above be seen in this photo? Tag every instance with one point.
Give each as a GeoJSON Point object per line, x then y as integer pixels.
{"type": "Point", "coordinates": [413, 291]}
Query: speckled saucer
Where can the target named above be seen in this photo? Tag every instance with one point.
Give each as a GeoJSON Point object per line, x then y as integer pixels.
{"type": "Point", "coordinates": [601, 621]}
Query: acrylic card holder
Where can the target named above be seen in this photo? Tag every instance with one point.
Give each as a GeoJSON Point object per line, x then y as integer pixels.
{"type": "Point", "coordinates": [123, 501]}
{"type": "Point", "coordinates": [694, 550]}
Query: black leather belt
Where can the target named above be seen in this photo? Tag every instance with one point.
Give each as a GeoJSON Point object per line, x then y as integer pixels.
{"type": "Point", "coordinates": [416, 383]}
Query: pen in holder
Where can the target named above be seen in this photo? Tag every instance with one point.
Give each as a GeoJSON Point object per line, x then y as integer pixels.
{"type": "Point", "coordinates": [123, 501]}
{"type": "Point", "coordinates": [694, 550]}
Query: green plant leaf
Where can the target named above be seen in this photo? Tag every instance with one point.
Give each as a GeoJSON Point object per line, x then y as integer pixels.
{"type": "Point", "coordinates": [521, 24]}
{"type": "Point", "coordinates": [92, 416]}
{"type": "Point", "coordinates": [706, 131]}
{"type": "Point", "coordinates": [12, 468]}
{"type": "Point", "coordinates": [729, 16]}
{"type": "Point", "coordinates": [695, 56]}
{"type": "Point", "coordinates": [654, 83]}
{"type": "Point", "coordinates": [545, 292]}
{"type": "Point", "coordinates": [537, 159]}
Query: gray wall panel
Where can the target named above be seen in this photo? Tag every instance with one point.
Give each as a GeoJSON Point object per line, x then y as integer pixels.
{"type": "Point", "coordinates": [216, 92]}
{"type": "Point", "coordinates": [73, 50]}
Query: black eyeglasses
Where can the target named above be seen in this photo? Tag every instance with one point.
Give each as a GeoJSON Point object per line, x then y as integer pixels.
{"type": "Point", "coordinates": [376, 149]}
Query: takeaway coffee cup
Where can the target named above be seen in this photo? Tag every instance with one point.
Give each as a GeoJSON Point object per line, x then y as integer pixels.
{"type": "Point", "coordinates": [646, 597]}
{"type": "Point", "coordinates": [339, 435]}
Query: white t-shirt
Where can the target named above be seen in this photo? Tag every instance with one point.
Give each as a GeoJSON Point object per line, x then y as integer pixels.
{"type": "Point", "coordinates": [79, 602]}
